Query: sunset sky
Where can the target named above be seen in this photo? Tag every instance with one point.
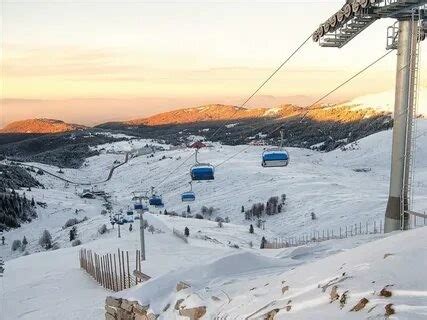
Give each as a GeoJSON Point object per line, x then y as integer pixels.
{"type": "Point", "coordinates": [94, 61]}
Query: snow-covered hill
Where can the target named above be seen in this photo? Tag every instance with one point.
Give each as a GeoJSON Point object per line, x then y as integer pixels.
{"type": "Point", "coordinates": [341, 188]}
{"type": "Point", "coordinates": [369, 282]}
{"type": "Point", "coordinates": [40, 126]}
{"type": "Point", "coordinates": [384, 101]}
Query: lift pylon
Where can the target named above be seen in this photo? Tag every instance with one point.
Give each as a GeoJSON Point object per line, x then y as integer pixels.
{"type": "Point", "coordinates": [356, 16]}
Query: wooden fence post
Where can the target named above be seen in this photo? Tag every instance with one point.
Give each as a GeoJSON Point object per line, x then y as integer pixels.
{"type": "Point", "coordinates": [120, 269]}
{"type": "Point", "coordinates": [124, 272]}
{"type": "Point", "coordinates": [107, 266]}
{"type": "Point", "coordinates": [115, 273]}
{"type": "Point", "coordinates": [127, 258]}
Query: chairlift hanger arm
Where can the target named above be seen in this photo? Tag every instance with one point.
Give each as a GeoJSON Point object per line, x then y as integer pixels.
{"type": "Point", "coordinates": [358, 15]}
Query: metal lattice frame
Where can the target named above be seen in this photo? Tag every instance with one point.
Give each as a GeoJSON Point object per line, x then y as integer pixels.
{"type": "Point", "coordinates": [357, 15]}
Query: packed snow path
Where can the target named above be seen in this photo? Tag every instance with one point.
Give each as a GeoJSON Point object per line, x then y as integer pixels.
{"type": "Point", "coordinates": [110, 174]}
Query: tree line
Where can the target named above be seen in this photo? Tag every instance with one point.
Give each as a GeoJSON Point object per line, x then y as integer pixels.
{"type": "Point", "coordinates": [15, 209]}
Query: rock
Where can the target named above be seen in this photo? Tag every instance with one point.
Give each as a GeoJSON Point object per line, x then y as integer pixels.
{"type": "Point", "coordinates": [288, 308]}
{"type": "Point", "coordinates": [343, 299]}
{"type": "Point", "coordinates": [271, 314]}
{"type": "Point", "coordinates": [137, 308]}
{"type": "Point", "coordinates": [214, 298]}
{"type": "Point", "coordinates": [110, 310]}
{"type": "Point", "coordinates": [139, 316]}
{"type": "Point", "coordinates": [284, 289]}
{"type": "Point", "coordinates": [109, 317]}
{"type": "Point", "coordinates": [385, 293]}
{"type": "Point", "coordinates": [178, 303]}
{"type": "Point", "coordinates": [127, 305]}
{"type": "Point", "coordinates": [181, 286]}
{"type": "Point", "coordinates": [124, 315]}
{"type": "Point", "coordinates": [113, 302]}
{"type": "Point", "coordinates": [388, 255]}
{"type": "Point", "coordinates": [152, 316]}
{"type": "Point", "coordinates": [193, 313]}
{"type": "Point", "coordinates": [334, 294]}
{"type": "Point", "coordinates": [389, 310]}
{"type": "Point", "coordinates": [360, 305]}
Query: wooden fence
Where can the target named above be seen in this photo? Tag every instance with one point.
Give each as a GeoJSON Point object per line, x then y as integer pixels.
{"type": "Point", "coordinates": [326, 234]}
{"type": "Point", "coordinates": [112, 271]}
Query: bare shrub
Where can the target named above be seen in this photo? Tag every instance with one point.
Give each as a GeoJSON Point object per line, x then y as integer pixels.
{"type": "Point", "coordinates": [76, 242]}
{"type": "Point", "coordinates": [102, 229]}
{"type": "Point", "coordinates": [16, 244]}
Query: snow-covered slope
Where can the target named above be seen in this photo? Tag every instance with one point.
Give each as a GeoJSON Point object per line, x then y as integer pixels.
{"type": "Point", "coordinates": [387, 273]}
{"type": "Point", "coordinates": [384, 101]}
{"type": "Point", "coordinates": [324, 183]}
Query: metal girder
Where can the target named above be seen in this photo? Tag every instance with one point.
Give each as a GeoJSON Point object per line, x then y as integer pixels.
{"type": "Point", "coordinates": [396, 8]}
{"type": "Point", "coordinates": [357, 15]}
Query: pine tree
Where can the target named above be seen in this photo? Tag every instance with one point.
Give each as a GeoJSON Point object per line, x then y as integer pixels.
{"type": "Point", "coordinates": [33, 203]}
{"type": "Point", "coordinates": [73, 233]}
{"type": "Point", "coordinates": [263, 241]}
{"type": "Point", "coordinates": [46, 240]}
{"type": "Point", "coordinates": [187, 232]}
{"type": "Point", "coordinates": [24, 241]}
{"type": "Point", "coordinates": [243, 209]}
{"type": "Point", "coordinates": [251, 229]}
{"type": "Point", "coordinates": [188, 209]}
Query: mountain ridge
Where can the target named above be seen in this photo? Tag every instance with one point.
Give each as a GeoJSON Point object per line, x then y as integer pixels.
{"type": "Point", "coordinates": [212, 112]}
{"type": "Point", "coordinates": [40, 126]}
{"type": "Point", "coordinates": [189, 115]}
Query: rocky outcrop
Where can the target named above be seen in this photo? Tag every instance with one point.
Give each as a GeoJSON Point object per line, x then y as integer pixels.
{"type": "Point", "coordinates": [195, 313]}
{"type": "Point", "coordinates": [185, 304]}
{"type": "Point", "coordinates": [122, 309]}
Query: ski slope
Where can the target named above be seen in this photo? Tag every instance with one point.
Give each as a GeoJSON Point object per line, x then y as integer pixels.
{"type": "Point", "coordinates": [247, 286]}
{"type": "Point", "coordinates": [325, 183]}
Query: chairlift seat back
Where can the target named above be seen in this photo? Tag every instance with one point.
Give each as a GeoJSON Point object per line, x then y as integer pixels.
{"type": "Point", "coordinates": [140, 206]}
{"type": "Point", "coordinates": [188, 196]}
{"type": "Point", "coordinates": [275, 158]}
{"type": "Point", "coordinates": [202, 172]}
{"type": "Point", "coordinates": [156, 201]}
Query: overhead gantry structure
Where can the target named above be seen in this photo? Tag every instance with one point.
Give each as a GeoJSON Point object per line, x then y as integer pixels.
{"type": "Point", "coordinates": [405, 35]}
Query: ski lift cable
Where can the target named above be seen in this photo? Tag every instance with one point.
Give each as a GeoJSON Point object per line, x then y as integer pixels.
{"type": "Point", "coordinates": [264, 82]}
{"type": "Point", "coordinates": [174, 170]}
{"type": "Point", "coordinates": [233, 156]}
{"type": "Point", "coordinates": [310, 108]}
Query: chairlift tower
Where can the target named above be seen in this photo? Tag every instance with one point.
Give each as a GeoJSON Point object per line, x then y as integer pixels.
{"type": "Point", "coordinates": [141, 196]}
{"type": "Point", "coordinates": [405, 35]}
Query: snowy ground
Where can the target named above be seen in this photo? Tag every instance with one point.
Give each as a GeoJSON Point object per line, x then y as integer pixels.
{"type": "Point", "coordinates": [50, 285]}
{"type": "Point", "coordinates": [247, 286]}
{"type": "Point", "coordinates": [384, 101]}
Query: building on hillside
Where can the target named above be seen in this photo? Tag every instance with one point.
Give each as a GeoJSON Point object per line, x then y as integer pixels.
{"type": "Point", "coordinates": [198, 145]}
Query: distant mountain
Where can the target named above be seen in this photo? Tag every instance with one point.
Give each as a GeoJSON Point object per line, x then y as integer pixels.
{"type": "Point", "coordinates": [384, 101]}
{"type": "Point", "coordinates": [219, 113]}
{"type": "Point", "coordinates": [214, 112]}
{"type": "Point", "coordinates": [40, 126]}
{"type": "Point", "coordinates": [327, 127]}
